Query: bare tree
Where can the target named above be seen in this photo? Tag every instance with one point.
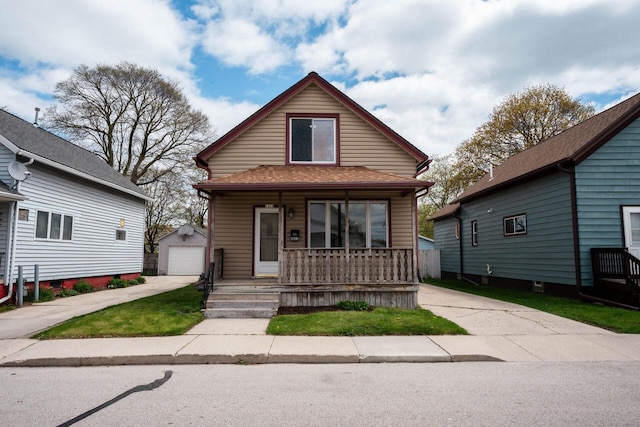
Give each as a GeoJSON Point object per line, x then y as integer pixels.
{"type": "Point", "coordinates": [139, 122]}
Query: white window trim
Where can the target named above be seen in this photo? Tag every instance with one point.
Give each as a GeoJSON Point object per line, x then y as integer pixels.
{"type": "Point", "coordinates": [513, 218]}
{"type": "Point", "coordinates": [312, 162]}
{"type": "Point", "coordinates": [115, 236]}
{"type": "Point", "coordinates": [327, 221]}
{"type": "Point", "coordinates": [474, 233]}
{"type": "Point", "coordinates": [62, 217]}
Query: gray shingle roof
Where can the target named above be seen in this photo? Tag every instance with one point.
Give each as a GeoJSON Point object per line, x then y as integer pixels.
{"type": "Point", "coordinates": [35, 140]}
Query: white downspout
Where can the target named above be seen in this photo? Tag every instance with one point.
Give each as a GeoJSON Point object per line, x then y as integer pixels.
{"type": "Point", "coordinates": [14, 236]}
{"type": "Point", "coordinates": [12, 250]}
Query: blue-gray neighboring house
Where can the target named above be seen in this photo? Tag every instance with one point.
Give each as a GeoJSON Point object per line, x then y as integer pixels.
{"type": "Point", "coordinates": [425, 243]}
{"type": "Point", "coordinates": [562, 217]}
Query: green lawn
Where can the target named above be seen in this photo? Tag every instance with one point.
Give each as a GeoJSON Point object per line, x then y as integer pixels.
{"type": "Point", "coordinates": [379, 321]}
{"type": "Point", "coordinates": [616, 319]}
{"type": "Point", "coordinates": [169, 313]}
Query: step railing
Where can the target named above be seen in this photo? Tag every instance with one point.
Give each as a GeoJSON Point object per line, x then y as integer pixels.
{"type": "Point", "coordinates": [611, 265]}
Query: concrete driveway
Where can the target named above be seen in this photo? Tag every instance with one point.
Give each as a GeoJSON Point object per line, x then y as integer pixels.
{"type": "Point", "coordinates": [26, 321]}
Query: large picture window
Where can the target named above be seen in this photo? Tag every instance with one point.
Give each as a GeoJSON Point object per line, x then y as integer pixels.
{"type": "Point", "coordinates": [514, 225]}
{"type": "Point", "coordinates": [54, 226]}
{"type": "Point", "coordinates": [312, 140]}
{"type": "Point", "coordinates": [368, 224]}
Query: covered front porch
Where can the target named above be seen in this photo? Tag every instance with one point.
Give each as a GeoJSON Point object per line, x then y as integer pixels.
{"type": "Point", "coordinates": [316, 239]}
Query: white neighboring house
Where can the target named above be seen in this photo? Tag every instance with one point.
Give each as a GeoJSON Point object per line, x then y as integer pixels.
{"type": "Point", "coordinates": [74, 216]}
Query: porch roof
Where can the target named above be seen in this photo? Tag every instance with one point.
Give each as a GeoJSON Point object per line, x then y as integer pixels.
{"type": "Point", "coordinates": [298, 177]}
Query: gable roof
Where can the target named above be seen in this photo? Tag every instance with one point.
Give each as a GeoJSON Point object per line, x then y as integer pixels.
{"type": "Point", "coordinates": [445, 211]}
{"type": "Point", "coordinates": [27, 140]}
{"type": "Point", "coordinates": [563, 150]}
{"type": "Point", "coordinates": [311, 78]}
{"type": "Point", "coordinates": [298, 177]}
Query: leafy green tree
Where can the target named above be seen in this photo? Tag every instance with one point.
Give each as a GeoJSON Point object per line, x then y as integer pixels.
{"type": "Point", "coordinates": [521, 121]}
{"type": "Point", "coordinates": [447, 186]}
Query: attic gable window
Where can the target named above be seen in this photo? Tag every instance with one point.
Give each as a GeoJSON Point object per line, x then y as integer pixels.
{"type": "Point", "coordinates": [312, 140]}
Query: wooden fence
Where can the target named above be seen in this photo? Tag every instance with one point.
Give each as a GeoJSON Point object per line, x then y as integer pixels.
{"type": "Point", "coordinates": [150, 264]}
{"type": "Point", "coordinates": [429, 263]}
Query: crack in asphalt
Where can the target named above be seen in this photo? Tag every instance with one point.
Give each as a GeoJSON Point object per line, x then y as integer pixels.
{"type": "Point", "coordinates": [143, 387]}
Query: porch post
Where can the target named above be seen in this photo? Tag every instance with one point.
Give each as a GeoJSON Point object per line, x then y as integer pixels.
{"type": "Point", "coordinates": [414, 220]}
{"type": "Point", "coordinates": [211, 232]}
{"type": "Point", "coordinates": [280, 236]}
{"type": "Point", "coordinates": [346, 235]}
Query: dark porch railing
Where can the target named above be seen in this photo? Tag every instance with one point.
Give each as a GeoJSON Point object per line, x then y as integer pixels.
{"type": "Point", "coordinates": [616, 275]}
{"type": "Point", "coordinates": [357, 266]}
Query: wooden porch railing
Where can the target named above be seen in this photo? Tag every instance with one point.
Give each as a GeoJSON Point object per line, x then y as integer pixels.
{"type": "Point", "coordinates": [359, 266]}
{"type": "Point", "coordinates": [617, 271]}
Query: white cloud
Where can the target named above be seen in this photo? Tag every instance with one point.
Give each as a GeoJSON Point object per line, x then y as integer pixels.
{"type": "Point", "coordinates": [241, 43]}
{"type": "Point", "coordinates": [431, 69]}
{"type": "Point", "coordinates": [71, 32]}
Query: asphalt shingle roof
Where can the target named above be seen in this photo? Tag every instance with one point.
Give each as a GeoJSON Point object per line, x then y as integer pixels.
{"type": "Point", "coordinates": [571, 147]}
{"type": "Point", "coordinates": [310, 177]}
{"type": "Point", "coordinates": [40, 142]}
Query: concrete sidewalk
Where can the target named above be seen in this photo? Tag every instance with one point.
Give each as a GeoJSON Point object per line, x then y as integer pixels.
{"type": "Point", "coordinates": [500, 331]}
{"type": "Point", "coordinates": [26, 321]}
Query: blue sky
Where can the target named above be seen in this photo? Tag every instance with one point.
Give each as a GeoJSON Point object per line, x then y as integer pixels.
{"type": "Point", "coordinates": [431, 69]}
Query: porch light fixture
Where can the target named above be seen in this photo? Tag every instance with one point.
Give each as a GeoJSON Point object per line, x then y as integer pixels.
{"type": "Point", "coordinates": [290, 213]}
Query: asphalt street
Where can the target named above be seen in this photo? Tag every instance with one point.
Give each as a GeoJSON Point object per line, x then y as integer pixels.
{"type": "Point", "coordinates": [400, 394]}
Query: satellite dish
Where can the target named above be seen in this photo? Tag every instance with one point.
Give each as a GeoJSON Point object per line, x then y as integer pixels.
{"type": "Point", "coordinates": [18, 171]}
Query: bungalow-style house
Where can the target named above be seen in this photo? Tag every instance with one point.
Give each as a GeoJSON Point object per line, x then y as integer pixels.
{"type": "Point", "coordinates": [64, 209]}
{"type": "Point", "coordinates": [317, 195]}
{"type": "Point", "coordinates": [561, 217]}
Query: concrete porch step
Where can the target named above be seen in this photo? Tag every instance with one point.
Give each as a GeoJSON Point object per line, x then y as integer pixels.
{"type": "Point", "coordinates": [239, 313]}
{"type": "Point", "coordinates": [241, 304]}
{"type": "Point", "coordinates": [245, 296]}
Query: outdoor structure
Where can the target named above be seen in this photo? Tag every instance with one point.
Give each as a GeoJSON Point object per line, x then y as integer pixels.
{"type": "Point", "coordinates": [182, 252]}
{"type": "Point", "coordinates": [560, 217]}
{"type": "Point", "coordinates": [425, 243]}
{"type": "Point", "coordinates": [315, 193]}
{"type": "Point", "coordinates": [64, 209]}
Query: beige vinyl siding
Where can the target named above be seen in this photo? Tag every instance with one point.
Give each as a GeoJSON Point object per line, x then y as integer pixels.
{"type": "Point", "coordinates": [265, 142]}
{"type": "Point", "coordinates": [234, 219]}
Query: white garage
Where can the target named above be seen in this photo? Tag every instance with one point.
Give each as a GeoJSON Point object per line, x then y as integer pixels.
{"type": "Point", "coordinates": [182, 252]}
{"type": "Point", "coordinates": [185, 260]}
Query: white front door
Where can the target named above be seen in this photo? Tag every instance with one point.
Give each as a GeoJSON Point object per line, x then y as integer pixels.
{"type": "Point", "coordinates": [631, 221]}
{"type": "Point", "coordinates": [266, 242]}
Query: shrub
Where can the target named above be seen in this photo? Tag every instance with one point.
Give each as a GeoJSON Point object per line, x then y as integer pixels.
{"type": "Point", "coordinates": [63, 293]}
{"type": "Point", "coordinates": [46, 294]}
{"type": "Point", "coordinates": [83, 287]}
{"type": "Point", "coordinates": [353, 305]}
{"type": "Point", "coordinates": [117, 283]}
{"type": "Point", "coordinates": [132, 282]}
{"type": "Point", "coordinates": [141, 279]}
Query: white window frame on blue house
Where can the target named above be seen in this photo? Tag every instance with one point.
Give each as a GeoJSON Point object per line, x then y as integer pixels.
{"type": "Point", "coordinates": [514, 225]}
